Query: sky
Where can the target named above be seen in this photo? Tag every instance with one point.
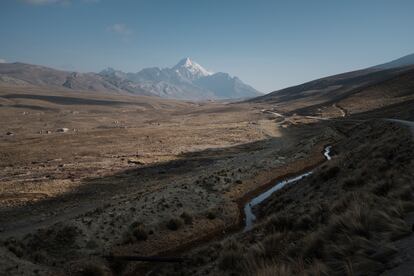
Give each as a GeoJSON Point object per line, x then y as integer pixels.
{"type": "Point", "coordinates": [268, 44]}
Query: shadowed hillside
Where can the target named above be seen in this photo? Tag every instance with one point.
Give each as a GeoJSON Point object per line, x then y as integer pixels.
{"type": "Point", "coordinates": [355, 92]}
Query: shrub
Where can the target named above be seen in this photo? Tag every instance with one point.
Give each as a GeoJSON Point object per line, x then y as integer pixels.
{"type": "Point", "coordinates": [174, 224]}
{"type": "Point", "coordinates": [188, 219]}
{"type": "Point", "coordinates": [140, 233]}
{"type": "Point", "coordinates": [211, 215]}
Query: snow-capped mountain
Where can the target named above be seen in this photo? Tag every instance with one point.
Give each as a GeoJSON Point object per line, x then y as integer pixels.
{"type": "Point", "coordinates": [191, 70]}
{"type": "Point", "coordinates": [186, 80]}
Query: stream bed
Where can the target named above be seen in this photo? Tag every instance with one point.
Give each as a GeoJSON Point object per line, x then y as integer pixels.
{"type": "Point", "coordinates": [248, 208]}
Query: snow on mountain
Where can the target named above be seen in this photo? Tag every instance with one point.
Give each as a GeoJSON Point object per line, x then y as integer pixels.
{"type": "Point", "coordinates": [190, 69]}
{"type": "Point", "coordinates": [187, 80]}
{"type": "Point", "coordinates": [226, 87]}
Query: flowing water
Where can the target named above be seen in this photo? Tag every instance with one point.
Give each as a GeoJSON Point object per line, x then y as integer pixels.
{"type": "Point", "coordinates": [248, 208]}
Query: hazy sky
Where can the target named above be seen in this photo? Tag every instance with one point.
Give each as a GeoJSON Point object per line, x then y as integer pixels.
{"type": "Point", "coordinates": [268, 44]}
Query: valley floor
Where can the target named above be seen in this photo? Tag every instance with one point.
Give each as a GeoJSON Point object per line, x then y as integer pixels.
{"type": "Point", "coordinates": [88, 175]}
{"type": "Point", "coordinates": [93, 175]}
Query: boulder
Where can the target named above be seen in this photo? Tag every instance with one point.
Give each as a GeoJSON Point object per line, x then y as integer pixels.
{"type": "Point", "coordinates": [63, 129]}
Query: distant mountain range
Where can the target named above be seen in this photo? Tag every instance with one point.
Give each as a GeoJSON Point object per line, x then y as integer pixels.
{"type": "Point", "coordinates": [188, 80]}
{"type": "Point", "coordinates": [185, 81]}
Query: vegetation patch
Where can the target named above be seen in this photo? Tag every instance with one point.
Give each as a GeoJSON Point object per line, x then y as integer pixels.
{"type": "Point", "coordinates": [341, 221]}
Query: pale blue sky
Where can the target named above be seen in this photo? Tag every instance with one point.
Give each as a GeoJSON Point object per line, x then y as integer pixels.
{"type": "Point", "coordinates": [268, 44]}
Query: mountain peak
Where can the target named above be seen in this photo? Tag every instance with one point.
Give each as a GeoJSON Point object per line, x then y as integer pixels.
{"type": "Point", "coordinates": [190, 69]}
{"type": "Point", "coordinates": [186, 62]}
